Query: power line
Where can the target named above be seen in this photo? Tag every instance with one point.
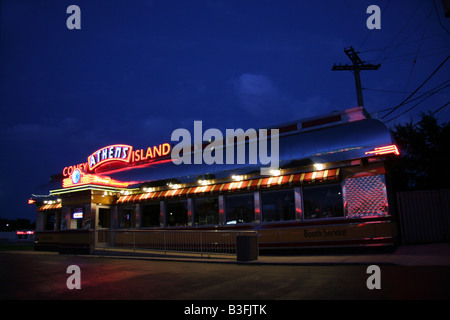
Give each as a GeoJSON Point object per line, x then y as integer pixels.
{"type": "Point", "coordinates": [417, 52]}
{"type": "Point", "coordinates": [413, 106]}
{"type": "Point", "coordinates": [442, 107]}
{"type": "Point", "coordinates": [410, 57]}
{"type": "Point", "coordinates": [398, 33]}
{"type": "Point", "coordinates": [414, 55]}
{"type": "Point", "coordinates": [396, 91]}
{"type": "Point", "coordinates": [435, 89]}
{"type": "Point", "coordinates": [439, 18]}
{"type": "Point", "coordinates": [404, 43]}
{"type": "Point", "coordinates": [435, 111]}
{"type": "Point", "coordinates": [423, 83]}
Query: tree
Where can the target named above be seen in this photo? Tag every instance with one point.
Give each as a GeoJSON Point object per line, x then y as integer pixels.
{"type": "Point", "coordinates": [423, 146]}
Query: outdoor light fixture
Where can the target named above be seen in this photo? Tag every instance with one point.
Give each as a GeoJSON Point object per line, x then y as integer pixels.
{"type": "Point", "coordinates": [275, 172]}
{"type": "Point", "coordinates": [318, 166]}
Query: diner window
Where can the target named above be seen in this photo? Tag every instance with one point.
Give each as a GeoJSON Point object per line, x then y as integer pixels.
{"type": "Point", "coordinates": [240, 208]}
{"type": "Point", "coordinates": [206, 211]}
{"type": "Point", "coordinates": [126, 218]}
{"type": "Point", "coordinates": [323, 201]}
{"type": "Point", "coordinates": [150, 215]}
{"type": "Point", "coordinates": [278, 205]}
{"type": "Point", "coordinates": [176, 213]}
{"type": "Point", "coordinates": [77, 218]}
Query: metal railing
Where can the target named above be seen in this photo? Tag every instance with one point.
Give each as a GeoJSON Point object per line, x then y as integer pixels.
{"type": "Point", "coordinates": [202, 242]}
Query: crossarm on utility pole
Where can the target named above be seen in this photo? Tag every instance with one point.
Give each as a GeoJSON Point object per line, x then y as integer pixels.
{"type": "Point", "coordinates": [356, 66]}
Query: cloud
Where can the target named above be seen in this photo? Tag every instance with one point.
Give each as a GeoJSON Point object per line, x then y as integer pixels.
{"type": "Point", "coordinates": [262, 99]}
{"type": "Point", "coordinates": [257, 93]}
{"type": "Point", "coordinates": [41, 130]}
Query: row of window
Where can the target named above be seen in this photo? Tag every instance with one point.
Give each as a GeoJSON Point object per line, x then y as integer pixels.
{"type": "Point", "coordinates": [276, 205]}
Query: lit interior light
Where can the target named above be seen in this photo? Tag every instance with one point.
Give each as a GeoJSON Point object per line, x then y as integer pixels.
{"type": "Point", "coordinates": [203, 182]}
{"type": "Point", "coordinates": [318, 166]}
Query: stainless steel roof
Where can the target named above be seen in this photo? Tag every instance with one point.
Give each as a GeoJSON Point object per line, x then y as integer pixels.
{"type": "Point", "coordinates": [330, 144]}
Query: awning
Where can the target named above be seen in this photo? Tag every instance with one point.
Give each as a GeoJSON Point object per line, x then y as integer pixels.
{"type": "Point", "coordinates": [253, 184]}
{"type": "Point", "coordinates": [47, 207]}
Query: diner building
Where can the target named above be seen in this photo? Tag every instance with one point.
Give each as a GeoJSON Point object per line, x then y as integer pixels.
{"type": "Point", "coordinates": [330, 187]}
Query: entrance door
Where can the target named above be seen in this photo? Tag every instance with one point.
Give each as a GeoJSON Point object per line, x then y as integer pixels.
{"type": "Point", "coordinates": [103, 225]}
{"type": "Point", "coordinates": [104, 218]}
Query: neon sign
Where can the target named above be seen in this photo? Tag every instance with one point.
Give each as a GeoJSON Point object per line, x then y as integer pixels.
{"type": "Point", "coordinates": [121, 155]}
{"type": "Point", "coordinates": [151, 153]}
{"type": "Point", "coordinates": [118, 152]}
{"type": "Point", "coordinates": [385, 150]}
{"type": "Point", "coordinates": [80, 178]}
{"type": "Point", "coordinates": [24, 232]}
{"type": "Point", "coordinates": [67, 171]}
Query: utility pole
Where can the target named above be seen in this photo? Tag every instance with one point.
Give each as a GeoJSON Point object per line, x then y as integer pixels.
{"type": "Point", "coordinates": [356, 66]}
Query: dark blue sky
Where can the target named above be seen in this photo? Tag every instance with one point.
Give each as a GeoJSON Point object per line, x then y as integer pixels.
{"type": "Point", "coordinates": [139, 69]}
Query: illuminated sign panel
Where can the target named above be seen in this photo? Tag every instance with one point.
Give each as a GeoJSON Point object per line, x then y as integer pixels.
{"type": "Point", "coordinates": [77, 213]}
{"type": "Point", "coordinates": [24, 232]}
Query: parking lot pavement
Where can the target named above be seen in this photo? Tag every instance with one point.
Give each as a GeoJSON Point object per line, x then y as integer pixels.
{"type": "Point", "coordinates": [409, 272]}
{"type": "Point", "coordinates": [45, 276]}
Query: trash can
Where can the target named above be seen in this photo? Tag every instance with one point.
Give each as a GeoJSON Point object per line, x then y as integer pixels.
{"type": "Point", "coordinates": [247, 247]}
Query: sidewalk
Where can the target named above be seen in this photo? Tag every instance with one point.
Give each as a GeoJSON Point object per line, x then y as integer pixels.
{"type": "Point", "coordinates": [437, 254]}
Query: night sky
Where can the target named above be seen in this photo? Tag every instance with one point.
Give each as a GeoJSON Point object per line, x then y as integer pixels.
{"type": "Point", "coordinates": [137, 70]}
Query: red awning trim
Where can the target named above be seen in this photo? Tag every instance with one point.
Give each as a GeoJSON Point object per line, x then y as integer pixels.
{"type": "Point", "coordinates": [46, 207]}
{"type": "Point", "coordinates": [267, 182]}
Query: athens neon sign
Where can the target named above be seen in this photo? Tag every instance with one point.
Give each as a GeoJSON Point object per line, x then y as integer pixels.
{"type": "Point", "coordinates": [118, 152]}
{"type": "Point", "coordinates": [120, 155]}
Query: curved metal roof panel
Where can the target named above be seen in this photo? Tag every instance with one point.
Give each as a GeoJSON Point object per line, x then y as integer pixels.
{"type": "Point", "coordinates": [343, 141]}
